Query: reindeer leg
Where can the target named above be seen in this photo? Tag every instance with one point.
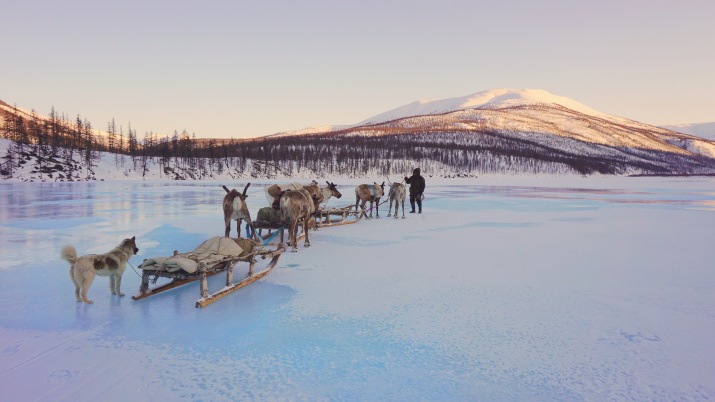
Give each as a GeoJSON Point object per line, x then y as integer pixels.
{"type": "Point", "coordinates": [294, 236]}
{"type": "Point", "coordinates": [228, 227]}
{"type": "Point", "coordinates": [306, 226]}
{"type": "Point", "coordinates": [403, 208]}
{"type": "Point", "coordinates": [389, 210]}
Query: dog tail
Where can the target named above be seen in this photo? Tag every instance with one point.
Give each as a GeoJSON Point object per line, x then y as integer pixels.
{"type": "Point", "coordinates": [69, 254]}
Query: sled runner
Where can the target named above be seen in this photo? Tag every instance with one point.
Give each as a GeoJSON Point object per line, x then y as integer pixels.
{"type": "Point", "coordinates": [215, 255]}
{"type": "Point", "coordinates": [346, 216]}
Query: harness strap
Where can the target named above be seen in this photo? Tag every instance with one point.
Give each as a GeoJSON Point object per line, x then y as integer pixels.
{"type": "Point", "coordinates": [374, 193]}
{"type": "Point", "coordinates": [276, 232]}
{"type": "Point", "coordinates": [392, 187]}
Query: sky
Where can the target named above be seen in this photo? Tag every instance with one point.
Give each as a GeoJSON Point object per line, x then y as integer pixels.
{"type": "Point", "coordinates": [238, 69]}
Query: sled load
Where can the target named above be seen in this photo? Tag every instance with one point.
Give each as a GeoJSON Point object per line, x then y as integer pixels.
{"type": "Point", "coordinates": [215, 255]}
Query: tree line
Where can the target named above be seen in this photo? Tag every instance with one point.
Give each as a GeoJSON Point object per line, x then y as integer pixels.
{"type": "Point", "coordinates": [376, 151]}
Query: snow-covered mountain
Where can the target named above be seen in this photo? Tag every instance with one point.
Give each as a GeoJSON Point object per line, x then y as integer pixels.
{"type": "Point", "coordinates": [496, 132]}
{"type": "Point", "coordinates": [529, 115]}
{"type": "Point", "coordinates": [702, 130]}
{"type": "Point", "coordinates": [491, 99]}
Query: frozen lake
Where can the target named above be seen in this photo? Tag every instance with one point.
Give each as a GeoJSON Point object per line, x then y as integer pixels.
{"type": "Point", "coordinates": [508, 289]}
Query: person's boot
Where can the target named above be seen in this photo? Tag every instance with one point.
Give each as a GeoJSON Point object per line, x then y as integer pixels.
{"type": "Point", "coordinates": [412, 212]}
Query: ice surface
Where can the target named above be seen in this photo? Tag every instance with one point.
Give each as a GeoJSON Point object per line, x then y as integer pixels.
{"type": "Point", "coordinates": [509, 289]}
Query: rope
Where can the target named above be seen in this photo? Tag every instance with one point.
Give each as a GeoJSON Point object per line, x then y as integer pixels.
{"type": "Point", "coordinates": [376, 205]}
{"type": "Point", "coordinates": [134, 269]}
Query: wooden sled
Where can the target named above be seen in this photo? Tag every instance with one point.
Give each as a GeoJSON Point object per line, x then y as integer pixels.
{"type": "Point", "coordinates": [345, 216]}
{"type": "Point", "coordinates": [227, 265]}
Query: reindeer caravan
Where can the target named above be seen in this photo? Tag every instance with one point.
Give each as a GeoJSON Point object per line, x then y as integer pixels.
{"type": "Point", "coordinates": [291, 206]}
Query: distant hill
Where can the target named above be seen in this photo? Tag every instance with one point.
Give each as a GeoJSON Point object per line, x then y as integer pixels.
{"type": "Point", "coordinates": [535, 125]}
{"type": "Point", "coordinates": [495, 132]}
{"type": "Point", "coordinates": [702, 130]}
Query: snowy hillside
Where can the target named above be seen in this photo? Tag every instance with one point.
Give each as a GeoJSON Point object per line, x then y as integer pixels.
{"type": "Point", "coordinates": [703, 130]}
{"type": "Point", "coordinates": [490, 133]}
{"type": "Point", "coordinates": [6, 110]}
{"type": "Point", "coordinates": [527, 112]}
{"type": "Point", "coordinates": [519, 131]}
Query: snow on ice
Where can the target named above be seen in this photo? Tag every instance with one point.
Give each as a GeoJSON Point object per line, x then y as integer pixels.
{"type": "Point", "coordinates": [505, 288]}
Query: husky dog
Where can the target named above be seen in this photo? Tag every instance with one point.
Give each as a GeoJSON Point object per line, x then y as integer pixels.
{"type": "Point", "coordinates": [112, 264]}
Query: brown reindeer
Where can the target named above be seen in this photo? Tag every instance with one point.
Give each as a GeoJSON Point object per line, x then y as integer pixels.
{"type": "Point", "coordinates": [398, 194]}
{"type": "Point", "coordinates": [369, 192]}
{"type": "Point", "coordinates": [235, 208]}
{"type": "Point", "coordinates": [297, 205]}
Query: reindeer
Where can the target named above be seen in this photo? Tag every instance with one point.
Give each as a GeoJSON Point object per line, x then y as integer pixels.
{"type": "Point", "coordinates": [297, 205]}
{"type": "Point", "coordinates": [323, 193]}
{"type": "Point", "coordinates": [234, 207]}
{"type": "Point", "coordinates": [397, 193]}
{"type": "Point", "coordinates": [369, 192]}
{"type": "Point", "coordinates": [274, 190]}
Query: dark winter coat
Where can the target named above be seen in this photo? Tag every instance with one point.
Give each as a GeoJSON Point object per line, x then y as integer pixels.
{"type": "Point", "coordinates": [416, 182]}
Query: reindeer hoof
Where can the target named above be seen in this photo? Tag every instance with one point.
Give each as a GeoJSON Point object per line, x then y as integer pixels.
{"type": "Point", "coordinates": [403, 217]}
{"type": "Point", "coordinates": [294, 249]}
{"type": "Point", "coordinates": [388, 215]}
{"type": "Point", "coordinates": [306, 245]}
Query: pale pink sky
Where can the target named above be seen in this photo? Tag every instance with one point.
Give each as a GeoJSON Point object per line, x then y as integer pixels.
{"type": "Point", "coordinates": [245, 69]}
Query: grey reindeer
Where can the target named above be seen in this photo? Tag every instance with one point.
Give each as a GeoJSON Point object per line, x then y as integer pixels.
{"type": "Point", "coordinates": [397, 193]}
{"type": "Point", "coordinates": [322, 193]}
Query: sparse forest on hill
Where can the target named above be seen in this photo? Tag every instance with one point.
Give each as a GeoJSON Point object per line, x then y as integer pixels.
{"type": "Point", "coordinates": [449, 145]}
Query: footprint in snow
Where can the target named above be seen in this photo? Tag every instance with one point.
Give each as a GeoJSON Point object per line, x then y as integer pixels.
{"type": "Point", "coordinates": [638, 337]}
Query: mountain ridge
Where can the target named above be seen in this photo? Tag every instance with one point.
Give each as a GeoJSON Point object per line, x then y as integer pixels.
{"type": "Point", "coordinates": [510, 132]}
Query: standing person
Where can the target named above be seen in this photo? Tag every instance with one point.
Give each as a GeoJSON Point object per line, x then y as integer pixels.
{"type": "Point", "coordinates": [417, 187]}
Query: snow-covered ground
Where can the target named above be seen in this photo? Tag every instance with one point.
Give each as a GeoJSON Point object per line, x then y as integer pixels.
{"type": "Point", "coordinates": [507, 289]}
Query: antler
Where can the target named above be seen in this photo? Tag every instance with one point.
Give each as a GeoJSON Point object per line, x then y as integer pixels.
{"type": "Point", "coordinates": [225, 188]}
{"type": "Point", "coordinates": [245, 188]}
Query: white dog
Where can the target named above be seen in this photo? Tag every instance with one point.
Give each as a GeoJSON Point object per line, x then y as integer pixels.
{"type": "Point", "coordinates": [112, 264]}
